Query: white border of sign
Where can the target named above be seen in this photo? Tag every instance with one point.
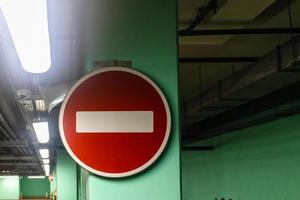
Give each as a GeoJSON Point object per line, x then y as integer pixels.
{"type": "Point", "coordinates": [132, 172]}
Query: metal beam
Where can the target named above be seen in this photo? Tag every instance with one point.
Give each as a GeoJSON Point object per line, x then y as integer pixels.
{"type": "Point", "coordinates": [285, 100]}
{"type": "Point", "coordinates": [253, 31]}
{"type": "Point", "coordinates": [23, 172]}
{"type": "Point", "coordinates": [202, 14]}
{"type": "Point", "coordinates": [19, 143]}
{"type": "Point", "coordinates": [19, 164]}
{"type": "Point", "coordinates": [14, 158]}
{"type": "Point", "coordinates": [197, 148]}
{"type": "Point", "coordinates": [218, 59]}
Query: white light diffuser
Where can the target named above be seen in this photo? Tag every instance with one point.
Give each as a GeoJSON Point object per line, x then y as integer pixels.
{"type": "Point", "coordinates": [46, 166]}
{"type": "Point", "coordinates": [41, 130]}
{"type": "Point", "coordinates": [35, 177]}
{"type": "Point", "coordinates": [47, 169]}
{"type": "Point", "coordinates": [10, 177]}
{"type": "Point", "coordinates": [44, 153]}
{"type": "Point", "coordinates": [28, 25]}
{"type": "Point", "coordinates": [46, 161]}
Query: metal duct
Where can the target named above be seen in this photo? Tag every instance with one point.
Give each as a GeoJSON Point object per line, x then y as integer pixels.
{"type": "Point", "coordinates": [270, 73]}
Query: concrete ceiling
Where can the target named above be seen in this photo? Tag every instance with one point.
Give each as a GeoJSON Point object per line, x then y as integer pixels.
{"type": "Point", "coordinates": [230, 14]}
{"type": "Point", "coordinates": [198, 79]}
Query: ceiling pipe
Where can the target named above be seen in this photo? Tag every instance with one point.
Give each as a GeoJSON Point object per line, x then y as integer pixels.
{"type": "Point", "coordinates": [28, 164]}
{"type": "Point", "coordinates": [252, 31]}
{"type": "Point", "coordinates": [17, 158]}
{"type": "Point", "coordinates": [197, 148]}
{"type": "Point", "coordinates": [19, 143]}
{"type": "Point", "coordinates": [218, 59]}
{"type": "Point", "coordinates": [9, 134]}
{"type": "Point", "coordinates": [4, 132]}
{"type": "Point", "coordinates": [5, 125]}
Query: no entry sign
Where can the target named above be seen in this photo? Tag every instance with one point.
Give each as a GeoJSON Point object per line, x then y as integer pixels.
{"type": "Point", "coordinates": [115, 122]}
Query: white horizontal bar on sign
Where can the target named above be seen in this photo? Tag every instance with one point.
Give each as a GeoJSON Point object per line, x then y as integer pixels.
{"type": "Point", "coordinates": [114, 122]}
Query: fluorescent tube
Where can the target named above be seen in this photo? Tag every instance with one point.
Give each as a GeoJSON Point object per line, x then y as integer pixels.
{"type": "Point", "coordinates": [27, 22]}
{"type": "Point", "coordinates": [46, 161]}
{"type": "Point", "coordinates": [47, 169]}
{"type": "Point", "coordinates": [44, 153]}
{"type": "Point", "coordinates": [35, 177]}
{"type": "Point", "coordinates": [41, 130]}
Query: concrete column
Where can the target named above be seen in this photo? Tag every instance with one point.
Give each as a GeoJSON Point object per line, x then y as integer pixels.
{"type": "Point", "coordinates": [66, 176]}
{"type": "Point", "coordinates": [145, 33]}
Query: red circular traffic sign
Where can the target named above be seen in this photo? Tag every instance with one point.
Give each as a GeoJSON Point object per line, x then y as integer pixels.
{"type": "Point", "coordinates": [115, 122]}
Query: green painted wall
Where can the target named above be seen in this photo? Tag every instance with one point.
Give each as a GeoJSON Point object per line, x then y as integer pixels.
{"type": "Point", "coordinates": [34, 187]}
{"type": "Point", "coordinates": [257, 163]}
{"type": "Point", "coordinates": [66, 176]}
{"type": "Point", "coordinates": [144, 32]}
{"type": "Point", "coordinates": [9, 188]}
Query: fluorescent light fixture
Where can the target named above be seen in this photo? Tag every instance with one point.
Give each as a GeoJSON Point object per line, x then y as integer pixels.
{"type": "Point", "coordinates": [47, 169]}
{"type": "Point", "coordinates": [46, 161]}
{"type": "Point", "coordinates": [40, 105]}
{"type": "Point", "coordinates": [41, 130]}
{"type": "Point", "coordinates": [9, 177]}
{"type": "Point", "coordinates": [35, 177]}
{"type": "Point", "coordinates": [28, 25]}
{"type": "Point", "coordinates": [46, 166]}
{"type": "Point", "coordinates": [44, 153]}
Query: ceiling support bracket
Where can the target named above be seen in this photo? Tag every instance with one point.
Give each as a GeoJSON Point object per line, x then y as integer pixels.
{"type": "Point", "coordinates": [201, 15]}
